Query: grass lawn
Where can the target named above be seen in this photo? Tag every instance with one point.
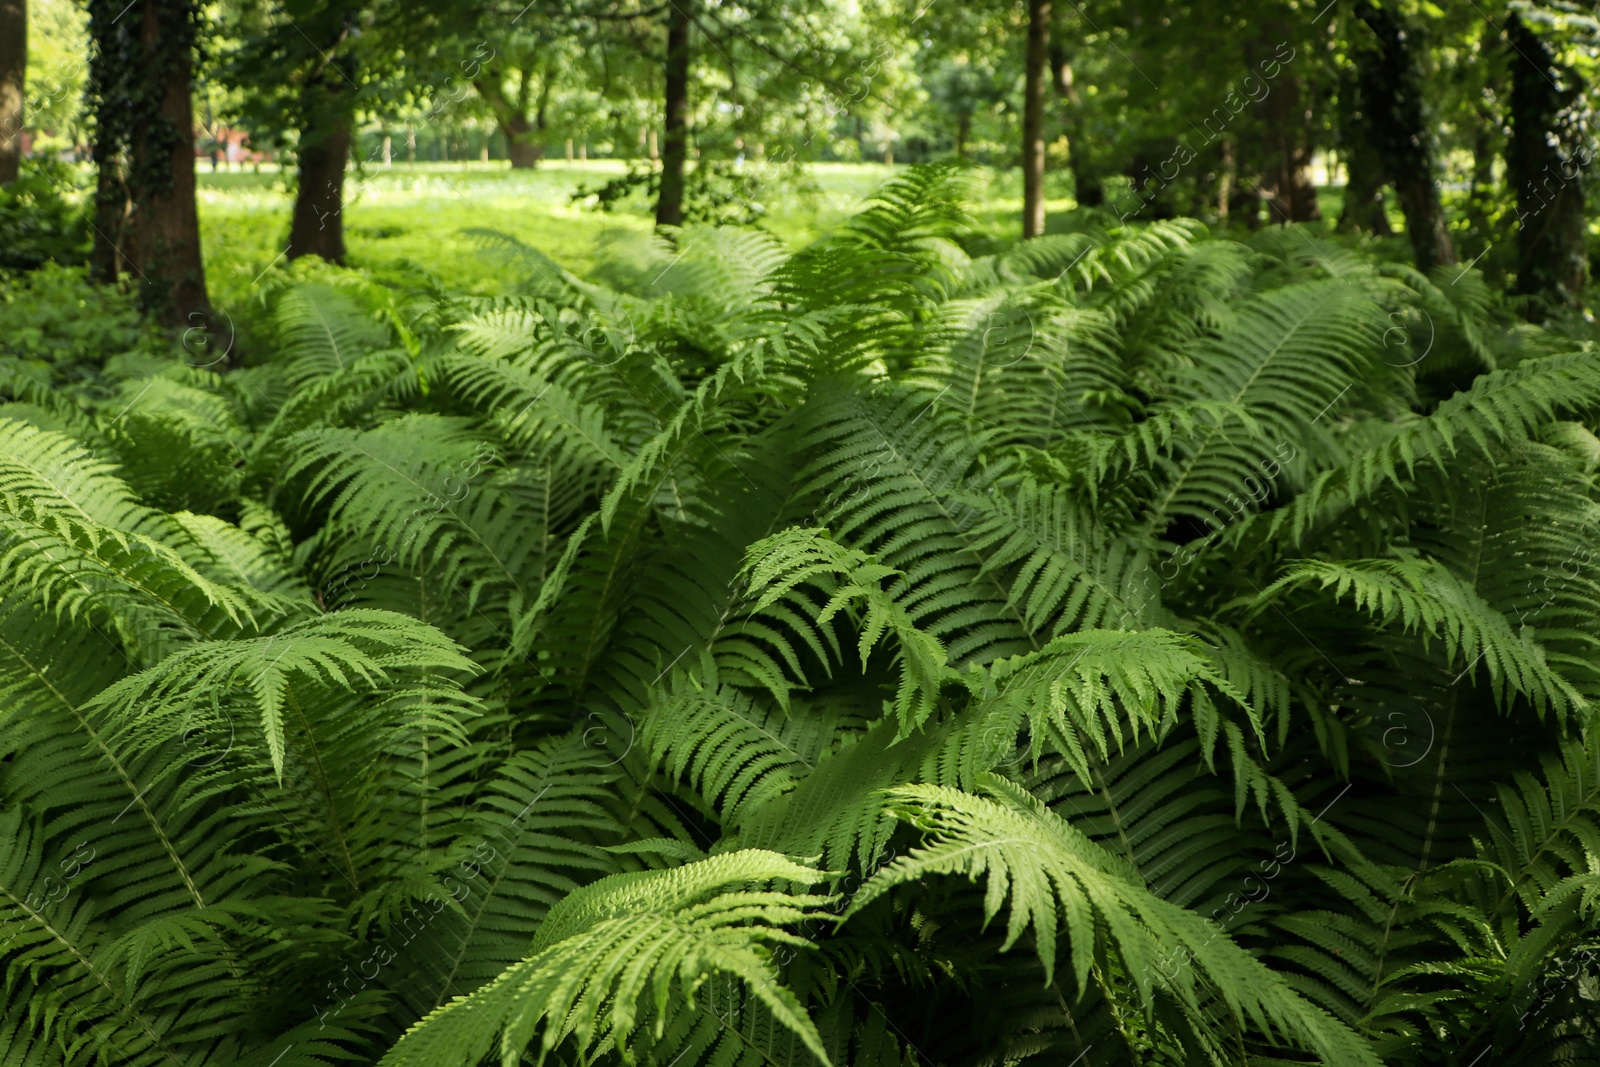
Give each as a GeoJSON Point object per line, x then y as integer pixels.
{"type": "Point", "coordinates": [413, 224]}
{"type": "Point", "coordinates": [412, 221]}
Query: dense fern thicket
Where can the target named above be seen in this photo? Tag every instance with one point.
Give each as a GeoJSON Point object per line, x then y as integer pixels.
{"type": "Point", "coordinates": [1136, 647]}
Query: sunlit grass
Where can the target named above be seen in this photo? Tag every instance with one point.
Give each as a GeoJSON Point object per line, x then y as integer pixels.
{"type": "Point", "coordinates": [410, 223]}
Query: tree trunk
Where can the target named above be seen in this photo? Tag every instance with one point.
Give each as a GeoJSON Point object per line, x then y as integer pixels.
{"type": "Point", "coordinates": [1294, 196]}
{"type": "Point", "coordinates": [1363, 210]}
{"type": "Point", "coordinates": [110, 212]}
{"type": "Point", "coordinates": [1545, 160]}
{"type": "Point", "coordinates": [13, 84]}
{"type": "Point", "coordinates": [164, 232]}
{"type": "Point", "coordinates": [1086, 186]}
{"type": "Point", "coordinates": [1244, 202]}
{"type": "Point", "coordinates": [1486, 147]}
{"type": "Point", "coordinates": [1227, 173]}
{"type": "Point", "coordinates": [1397, 124]}
{"type": "Point", "coordinates": [675, 147]}
{"type": "Point", "coordinates": [1288, 122]}
{"type": "Point", "coordinates": [1033, 119]}
{"type": "Point", "coordinates": [524, 136]}
{"type": "Point", "coordinates": [963, 133]}
{"type": "Point", "coordinates": [525, 155]}
{"type": "Point", "coordinates": [317, 227]}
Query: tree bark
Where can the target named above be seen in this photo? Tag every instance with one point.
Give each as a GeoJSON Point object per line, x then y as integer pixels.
{"type": "Point", "coordinates": [1396, 122]}
{"type": "Point", "coordinates": [1294, 196]}
{"type": "Point", "coordinates": [1363, 210]}
{"type": "Point", "coordinates": [317, 226]}
{"type": "Point", "coordinates": [524, 153]}
{"type": "Point", "coordinates": [524, 137]}
{"type": "Point", "coordinates": [159, 237]}
{"type": "Point", "coordinates": [1287, 120]}
{"type": "Point", "coordinates": [1545, 160]}
{"type": "Point", "coordinates": [1033, 118]}
{"type": "Point", "coordinates": [13, 84]}
{"type": "Point", "coordinates": [110, 212]}
{"type": "Point", "coordinates": [675, 147]}
{"type": "Point", "coordinates": [1086, 185]}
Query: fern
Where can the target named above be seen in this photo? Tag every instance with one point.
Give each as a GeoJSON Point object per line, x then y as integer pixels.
{"type": "Point", "coordinates": [1037, 864]}
{"type": "Point", "coordinates": [1118, 647]}
{"type": "Point", "coordinates": [660, 933]}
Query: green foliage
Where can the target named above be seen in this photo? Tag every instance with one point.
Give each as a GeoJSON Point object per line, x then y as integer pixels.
{"type": "Point", "coordinates": [42, 219]}
{"type": "Point", "coordinates": [60, 330]}
{"type": "Point", "coordinates": [1101, 651]}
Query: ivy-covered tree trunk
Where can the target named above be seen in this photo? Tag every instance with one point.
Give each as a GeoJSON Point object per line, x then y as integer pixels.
{"type": "Point", "coordinates": [1389, 77]}
{"type": "Point", "coordinates": [13, 84]}
{"type": "Point", "coordinates": [1364, 210]}
{"type": "Point", "coordinates": [1545, 160]}
{"type": "Point", "coordinates": [675, 145]}
{"type": "Point", "coordinates": [140, 84]}
{"type": "Point", "coordinates": [317, 226]}
{"type": "Point", "coordinates": [106, 263]}
{"type": "Point", "coordinates": [166, 222]}
{"type": "Point", "coordinates": [1033, 118]}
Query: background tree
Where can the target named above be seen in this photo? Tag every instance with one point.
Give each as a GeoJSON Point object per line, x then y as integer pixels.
{"type": "Point", "coordinates": [675, 108]}
{"type": "Point", "coordinates": [1397, 126]}
{"type": "Point", "coordinates": [516, 85]}
{"type": "Point", "coordinates": [1034, 77]}
{"type": "Point", "coordinates": [142, 59]}
{"type": "Point", "coordinates": [13, 84]}
{"type": "Point", "coordinates": [307, 71]}
{"type": "Point", "coordinates": [1551, 146]}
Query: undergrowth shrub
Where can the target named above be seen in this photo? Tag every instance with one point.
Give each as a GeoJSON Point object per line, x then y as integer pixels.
{"type": "Point", "coordinates": [44, 218]}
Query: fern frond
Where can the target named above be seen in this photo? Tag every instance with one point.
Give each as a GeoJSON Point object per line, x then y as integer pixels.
{"type": "Point", "coordinates": [363, 650]}
{"type": "Point", "coordinates": [606, 948]}
{"type": "Point", "coordinates": [1422, 595]}
{"type": "Point", "coordinates": [1050, 874]}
